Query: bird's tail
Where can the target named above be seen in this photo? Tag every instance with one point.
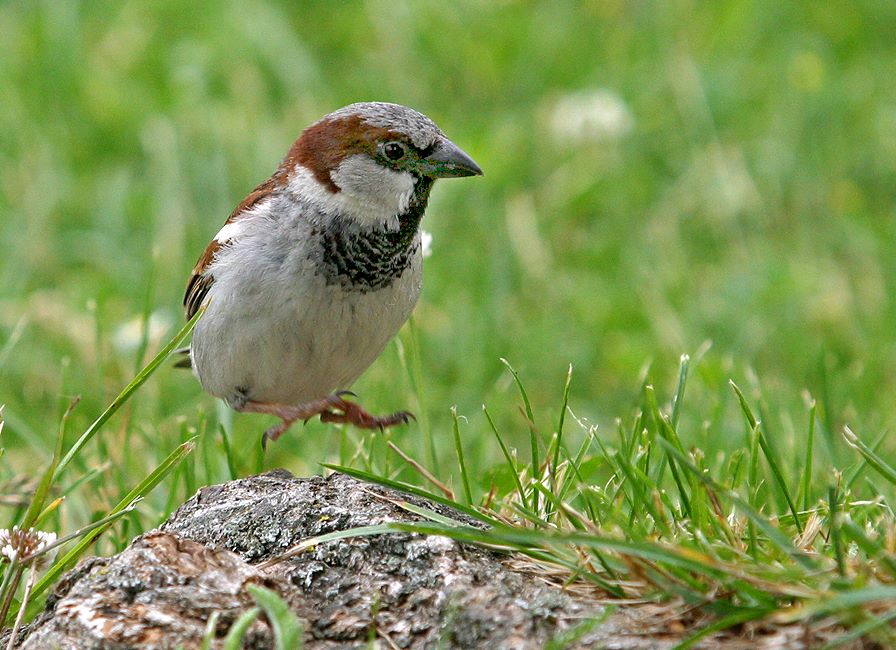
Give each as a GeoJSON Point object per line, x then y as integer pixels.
{"type": "Point", "coordinates": [184, 361]}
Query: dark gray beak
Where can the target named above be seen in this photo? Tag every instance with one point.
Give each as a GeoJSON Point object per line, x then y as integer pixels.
{"type": "Point", "coordinates": [449, 161]}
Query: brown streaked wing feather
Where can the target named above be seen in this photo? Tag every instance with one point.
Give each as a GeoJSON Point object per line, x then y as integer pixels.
{"type": "Point", "coordinates": [200, 281]}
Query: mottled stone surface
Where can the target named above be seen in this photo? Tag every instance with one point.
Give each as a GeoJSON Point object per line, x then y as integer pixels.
{"type": "Point", "coordinates": [400, 590]}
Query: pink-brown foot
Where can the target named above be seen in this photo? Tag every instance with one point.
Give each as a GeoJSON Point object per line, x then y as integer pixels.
{"type": "Point", "coordinates": [289, 414]}
{"type": "Point", "coordinates": [334, 408]}
{"type": "Point", "coordinates": [351, 413]}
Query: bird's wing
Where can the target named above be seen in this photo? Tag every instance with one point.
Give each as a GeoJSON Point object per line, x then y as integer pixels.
{"type": "Point", "coordinates": [201, 279]}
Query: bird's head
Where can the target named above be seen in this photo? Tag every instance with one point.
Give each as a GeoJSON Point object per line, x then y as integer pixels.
{"type": "Point", "coordinates": [368, 161]}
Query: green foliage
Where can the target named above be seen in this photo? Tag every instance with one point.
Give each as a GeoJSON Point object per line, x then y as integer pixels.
{"type": "Point", "coordinates": [713, 549]}
{"type": "Point", "coordinates": [234, 638]}
{"type": "Point", "coordinates": [28, 549]}
{"type": "Point", "coordinates": [658, 176]}
{"type": "Point", "coordinates": [287, 629]}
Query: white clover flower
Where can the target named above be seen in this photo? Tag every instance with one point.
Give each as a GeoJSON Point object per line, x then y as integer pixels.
{"type": "Point", "coordinates": [425, 243]}
{"type": "Point", "coordinates": [129, 334]}
{"type": "Point", "coordinates": [598, 114]}
{"type": "Point", "coordinates": [6, 549]}
{"type": "Point", "coordinates": [16, 544]}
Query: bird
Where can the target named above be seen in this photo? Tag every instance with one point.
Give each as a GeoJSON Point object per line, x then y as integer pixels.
{"type": "Point", "coordinates": [317, 269]}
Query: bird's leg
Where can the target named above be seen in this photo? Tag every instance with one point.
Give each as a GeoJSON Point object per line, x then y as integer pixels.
{"type": "Point", "coordinates": [289, 414]}
{"type": "Point", "coordinates": [343, 411]}
{"type": "Point", "coordinates": [334, 408]}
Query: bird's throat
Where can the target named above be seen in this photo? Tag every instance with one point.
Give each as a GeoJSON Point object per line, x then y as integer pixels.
{"type": "Point", "coordinates": [371, 258]}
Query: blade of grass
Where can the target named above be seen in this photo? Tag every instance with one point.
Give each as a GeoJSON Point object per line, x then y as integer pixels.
{"type": "Point", "coordinates": [308, 542]}
{"type": "Point", "coordinates": [14, 570]}
{"type": "Point", "coordinates": [46, 512]}
{"type": "Point", "coordinates": [862, 630]}
{"type": "Point", "coordinates": [667, 431]}
{"type": "Point", "coordinates": [448, 523]}
{"type": "Point", "coordinates": [778, 538]}
{"type": "Point", "coordinates": [142, 489]}
{"type": "Point", "coordinates": [88, 476]}
{"type": "Point", "coordinates": [834, 531]}
{"type": "Point", "coordinates": [414, 371]}
{"type": "Point", "coordinates": [665, 428]}
{"type": "Point", "coordinates": [426, 513]}
{"type": "Point", "coordinates": [11, 578]}
{"type": "Point", "coordinates": [576, 465]}
{"type": "Point", "coordinates": [508, 457]}
{"type": "Point", "coordinates": [210, 630]}
{"type": "Point", "coordinates": [522, 390]}
{"type": "Point", "coordinates": [753, 486]}
{"type": "Point", "coordinates": [459, 449]}
{"type": "Point", "coordinates": [287, 629]}
{"type": "Point", "coordinates": [806, 484]}
{"type": "Point", "coordinates": [422, 471]}
{"type": "Point", "coordinates": [26, 598]}
{"type": "Point", "coordinates": [234, 638]}
{"type": "Point", "coordinates": [86, 529]}
{"type": "Point", "coordinates": [769, 456]}
{"type": "Point", "coordinates": [525, 540]}
{"type": "Point", "coordinates": [641, 487]}
{"type": "Point", "coordinates": [882, 467]}
{"type": "Point", "coordinates": [533, 435]}
{"type": "Point", "coordinates": [872, 548]}
{"type": "Point", "coordinates": [46, 482]}
{"type": "Point", "coordinates": [575, 519]}
{"type": "Point", "coordinates": [146, 314]}
{"type": "Point", "coordinates": [126, 394]}
{"type": "Point", "coordinates": [737, 618]}
{"type": "Point", "coordinates": [648, 433]}
{"type": "Point", "coordinates": [14, 336]}
{"type": "Point", "coordinates": [558, 442]}
{"type": "Point", "coordinates": [828, 604]}
{"type": "Point", "coordinates": [228, 452]}
{"type": "Point", "coordinates": [683, 364]}
{"type": "Point", "coordinates": [411, 489]}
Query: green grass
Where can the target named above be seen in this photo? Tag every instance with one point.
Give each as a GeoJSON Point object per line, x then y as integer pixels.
{"type": "Point", "coordinates": [648, 519]}
{"type": "Point", "coordinates": [747, 200]}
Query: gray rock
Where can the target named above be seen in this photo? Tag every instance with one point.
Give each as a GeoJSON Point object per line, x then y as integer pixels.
{"type": "Point", "coordinates": [399, 590]}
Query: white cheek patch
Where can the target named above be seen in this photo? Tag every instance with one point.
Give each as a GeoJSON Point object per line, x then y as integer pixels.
{"type": "Point", "coordinates": [364, 178]}
{"type": "Point", "coordinates": [369, 193]}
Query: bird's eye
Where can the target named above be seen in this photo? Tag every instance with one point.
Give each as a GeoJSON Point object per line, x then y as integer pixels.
{"type": "Point", "coordinates": [393, 150]}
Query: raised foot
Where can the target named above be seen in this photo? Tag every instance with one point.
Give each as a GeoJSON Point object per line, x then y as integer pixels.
{"type": "Point", "coordinates": [351, 413]}
{"type": "Point", "coordinates": [334, 408]}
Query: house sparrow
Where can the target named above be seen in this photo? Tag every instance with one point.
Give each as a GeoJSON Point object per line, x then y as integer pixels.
{"type": "Point", "coordinates": [317, 269]}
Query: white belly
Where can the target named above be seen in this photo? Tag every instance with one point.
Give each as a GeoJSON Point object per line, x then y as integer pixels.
{"type": "Point", "coordinates": [293, 340]}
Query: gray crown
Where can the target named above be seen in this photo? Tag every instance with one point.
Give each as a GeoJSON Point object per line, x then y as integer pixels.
{"type": "Point", "coordinates": [422, 131]}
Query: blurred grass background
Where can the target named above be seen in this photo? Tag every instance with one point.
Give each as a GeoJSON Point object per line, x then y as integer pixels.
{"type": "Point", "coordinates": [658, 175]}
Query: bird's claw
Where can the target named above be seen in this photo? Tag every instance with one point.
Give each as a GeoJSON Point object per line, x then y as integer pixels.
{"type": "Point", "coordinates": [334, 408]}
{"type": "Point", "coordinates": [351, 413]}
{"type": "Point", "coordinates": [273, 433]}
{"type": "Point", "coordinates": [405, 416]}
